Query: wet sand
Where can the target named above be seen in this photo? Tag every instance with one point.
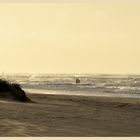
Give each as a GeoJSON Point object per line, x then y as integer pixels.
{"type": "Point", "coordinates": [70, 116]}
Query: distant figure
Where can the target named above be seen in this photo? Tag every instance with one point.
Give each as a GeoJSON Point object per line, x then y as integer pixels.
{"type": "Point", "coordinates": [77, 80]}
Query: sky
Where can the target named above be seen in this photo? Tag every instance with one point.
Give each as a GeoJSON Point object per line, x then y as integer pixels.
{"type": "Point", "coordinates": [70, 37]}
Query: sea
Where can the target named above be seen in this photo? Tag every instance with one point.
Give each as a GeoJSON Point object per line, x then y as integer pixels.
{"type": "Point", "coordinates": [107, 85]}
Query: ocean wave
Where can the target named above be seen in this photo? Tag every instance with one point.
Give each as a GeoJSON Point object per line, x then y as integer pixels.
{"type": "Point", "coordinates": [117, 84]}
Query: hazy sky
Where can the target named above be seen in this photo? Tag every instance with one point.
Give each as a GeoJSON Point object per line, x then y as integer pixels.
{"type": "Point", "coordinates": [96, 37]}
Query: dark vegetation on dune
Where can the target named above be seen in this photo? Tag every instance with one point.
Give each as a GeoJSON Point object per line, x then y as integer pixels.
{"type": "Point", "coordinates": [12, 91]}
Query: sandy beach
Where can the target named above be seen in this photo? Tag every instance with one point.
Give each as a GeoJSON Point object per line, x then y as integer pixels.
{"type": "Point", "coordinates": [70, 116]}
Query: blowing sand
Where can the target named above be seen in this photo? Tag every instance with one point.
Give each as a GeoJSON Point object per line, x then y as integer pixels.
{"type": "Point", "coordinates": [61, 115]}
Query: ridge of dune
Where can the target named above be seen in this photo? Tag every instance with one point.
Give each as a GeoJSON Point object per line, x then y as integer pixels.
{"type": "Point", "coordinates": [12, 91]}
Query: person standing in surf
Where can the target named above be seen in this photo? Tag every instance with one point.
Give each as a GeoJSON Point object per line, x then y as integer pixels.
{"type": "Point", "coordinates": [77, 81]}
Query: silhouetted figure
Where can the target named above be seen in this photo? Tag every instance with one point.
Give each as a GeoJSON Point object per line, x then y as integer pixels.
{"type": "Point", "coordinates": [77, 80]}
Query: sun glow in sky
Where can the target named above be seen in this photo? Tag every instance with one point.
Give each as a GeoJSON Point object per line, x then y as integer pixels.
{"type": "Point", "coordinates": [93, 37]}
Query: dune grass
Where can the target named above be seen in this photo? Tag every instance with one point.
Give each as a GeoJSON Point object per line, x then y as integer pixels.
{"type": "Point", "coordinates": [9, 90]}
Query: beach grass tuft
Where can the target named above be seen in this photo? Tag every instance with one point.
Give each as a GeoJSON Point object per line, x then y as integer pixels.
{"type": "Point", "coordinates": [10, 90]}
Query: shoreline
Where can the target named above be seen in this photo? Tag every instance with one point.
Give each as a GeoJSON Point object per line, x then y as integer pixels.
{"type": "Point", "coordinates": [71, 116]}
{"type": "Point", "coordinates": [81, 93]}
{"type": "Point", "coordinates": [89, 98]}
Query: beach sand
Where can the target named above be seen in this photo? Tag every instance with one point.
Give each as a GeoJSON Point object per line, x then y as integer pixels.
{"type": "Point", "coordinates": [70, 116]}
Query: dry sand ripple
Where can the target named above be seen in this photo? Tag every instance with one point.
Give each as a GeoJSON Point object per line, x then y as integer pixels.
{"type": "Point", "coordinates": [59, 115]}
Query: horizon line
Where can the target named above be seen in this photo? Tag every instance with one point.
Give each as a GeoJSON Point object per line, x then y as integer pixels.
{"type": "Point", "coordinates": [69, 73]}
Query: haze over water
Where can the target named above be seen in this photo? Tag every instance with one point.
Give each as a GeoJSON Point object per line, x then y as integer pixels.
{"type": "Point", "coordinates": [70, 37]}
